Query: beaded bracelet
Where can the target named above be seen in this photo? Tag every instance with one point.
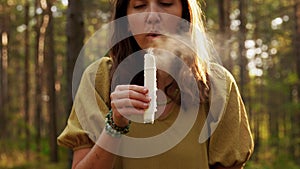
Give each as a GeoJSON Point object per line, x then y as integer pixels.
{"type": "Point", "coordinates": [112, 132]}
{"type": "Point", "coordinates": [112, 129]}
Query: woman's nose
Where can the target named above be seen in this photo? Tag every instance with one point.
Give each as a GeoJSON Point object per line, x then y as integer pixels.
{"type": "Point", "coordinates": [153, 16]}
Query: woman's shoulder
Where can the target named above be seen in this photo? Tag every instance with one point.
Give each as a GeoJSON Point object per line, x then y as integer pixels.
{"type": "Point", "coordinates": [102, 64]}
{"type": "Point", "coordinates": [97, 76]}
{"type": "Point", "coordinates": [221, 81]}
{"type": "Point", "coordinates": [218, 71]}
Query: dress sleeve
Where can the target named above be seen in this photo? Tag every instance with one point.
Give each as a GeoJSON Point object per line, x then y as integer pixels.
{"type": "Point", "coordinates": [91, 103]}
{"type": "Point", "coordinates": [73, 136]}
{"type": "Point", "coordinates": [231, 143]}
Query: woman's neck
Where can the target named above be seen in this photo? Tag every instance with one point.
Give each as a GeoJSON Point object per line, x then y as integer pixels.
{"type": "Point", "coordinates": [163, 80]}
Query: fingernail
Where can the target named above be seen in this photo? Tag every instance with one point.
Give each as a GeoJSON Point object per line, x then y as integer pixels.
{"type": "Point", "coordinates": [148, 98]}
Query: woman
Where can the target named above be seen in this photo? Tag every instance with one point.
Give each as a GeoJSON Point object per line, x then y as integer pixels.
{"type": "Point", "coordinates": [227, 140]}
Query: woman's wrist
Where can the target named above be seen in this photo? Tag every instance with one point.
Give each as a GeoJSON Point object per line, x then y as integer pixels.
{"type": "Point", "coordinates": [108, 142]}
{"type": "Point", "coordinates": [113, 129]}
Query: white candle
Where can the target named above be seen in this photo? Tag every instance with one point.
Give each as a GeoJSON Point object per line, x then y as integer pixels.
{"type": "Point", "coordinates": [150, 83]}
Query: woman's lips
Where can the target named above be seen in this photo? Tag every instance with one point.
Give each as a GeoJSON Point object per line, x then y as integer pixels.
{"type": "Point", "coordinates": [153, 35]}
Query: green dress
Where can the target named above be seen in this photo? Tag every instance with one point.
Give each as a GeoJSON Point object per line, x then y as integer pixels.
{"type": "Point", "coordinates": [230, 142]}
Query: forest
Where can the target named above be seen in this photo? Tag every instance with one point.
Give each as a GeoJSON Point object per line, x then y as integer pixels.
{"type": "Point", "coordinates": [258, 41]}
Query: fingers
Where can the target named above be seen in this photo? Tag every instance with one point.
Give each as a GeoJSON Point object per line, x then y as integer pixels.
{"type": "Point", "coordinates": [128, 100]}
{"type": "Point", "coordinates": [128, 103]}
{"type": "Point", "coordinates": [130, 96]}
{"type": "Point", "coordinates": [140, 89]}
{"type": "Point", "coordinates": [127, 111]}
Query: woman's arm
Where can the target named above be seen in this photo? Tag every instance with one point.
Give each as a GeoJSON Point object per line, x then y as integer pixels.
{"type": "Point", "coordinates": [125, 100]}
{"type": "Point", "coordinates": [96, 157]}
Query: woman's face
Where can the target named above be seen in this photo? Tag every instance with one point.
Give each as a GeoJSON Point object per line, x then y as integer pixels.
{"type": "Point", "coordinates": [150, 19]}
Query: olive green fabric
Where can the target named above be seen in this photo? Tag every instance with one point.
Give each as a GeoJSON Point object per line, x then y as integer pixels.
{"type": "Point", "coordinates": [230, 140]}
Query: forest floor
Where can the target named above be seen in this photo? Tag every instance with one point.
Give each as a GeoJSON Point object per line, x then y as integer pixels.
{"type": "Point", "coordinates": [15, 158]}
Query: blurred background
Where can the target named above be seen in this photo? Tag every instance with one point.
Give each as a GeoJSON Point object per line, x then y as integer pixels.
{"type": "Point", "coordinates": [257, 40]}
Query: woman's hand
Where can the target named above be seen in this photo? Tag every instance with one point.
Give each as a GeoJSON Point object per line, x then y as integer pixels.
{"type": "Point", "coordinates": [127, 100]}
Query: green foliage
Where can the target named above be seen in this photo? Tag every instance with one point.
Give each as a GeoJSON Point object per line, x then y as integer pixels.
{"type": "Point", "coordinates": [292, 79]}
{"type": "Point", "coordinates": [279, 162]}
{"type": "Point", "coordinates": [271, 98]}
{"type": "Point", "coordinates": [13, 156]}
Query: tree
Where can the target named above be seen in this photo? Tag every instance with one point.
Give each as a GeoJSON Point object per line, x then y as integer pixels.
{"type": "Point", "coordinates": [225, 33]}
{"type": "Point", "coordinates": [1, 70]}
{"type": "Point", "coordinates": [1, 76]}
{"type": "Point", "coordinates": [4, 68]}
{"type": "Point", "coordinates": [40, 29]}
{"type": "Point", "coordinates": [75, 38]}
{"type": "Point", "coordinates": [50, 82]}
{"type": "Point", "coordinates": [26, 85]}
{"type": "Point", "coordinates": [242, 39]}
{"type": "Point", "coordinates": [296, 119]}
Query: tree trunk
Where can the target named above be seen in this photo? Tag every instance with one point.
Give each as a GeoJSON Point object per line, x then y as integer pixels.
{"type": "Point", "coordinates": [224, 7]}
{"type": "Point", "coordinates": [50, 75]}
{"type": "Point", "coordinates": [224, 31]}
{"type": "Point", "coordinates": [1, 79]}
{"type": "Point", "coordinates": [27, 80]}
{"type": "Point", "coordinates": [4, 77]}
{"type": "Point", "coordinates": [75, 39]}
{"type": "Point", "coordinates": [38, 81]}
{"type": "Point", "coordinates": [296, 119]}
{"type": "Point", "coordinates": [1, 75]}
{"type": "Point", "coordinates": [274, 118]}
{"type": "Point", "coordinates": [259, 116]}
{"type": "Point", "coordinates": [256, 116]}
{"type": "Point", "coordinates": [242, 38]}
